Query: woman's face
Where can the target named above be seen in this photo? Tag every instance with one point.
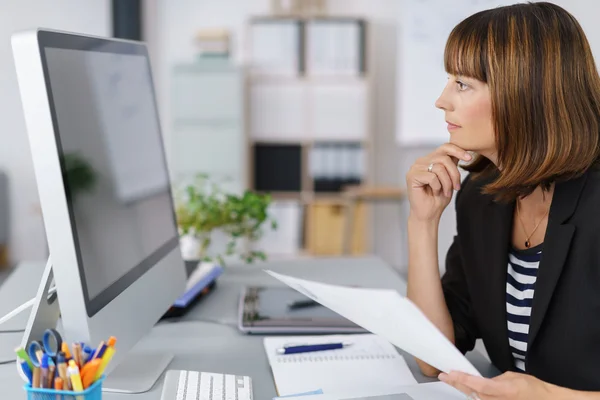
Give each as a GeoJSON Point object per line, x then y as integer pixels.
{"type": "Point", "coordinates": [468, 108]}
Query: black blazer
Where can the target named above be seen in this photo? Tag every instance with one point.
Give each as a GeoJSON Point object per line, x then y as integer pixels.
{"type": "Point", "coordinates": [564, 333]}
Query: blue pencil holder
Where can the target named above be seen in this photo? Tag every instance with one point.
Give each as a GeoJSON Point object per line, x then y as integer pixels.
{"type": "Point", "coordinates": [94, 392]}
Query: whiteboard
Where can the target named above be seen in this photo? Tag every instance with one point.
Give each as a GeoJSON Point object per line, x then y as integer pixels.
{"type": "Point", "coordinates": [424, 29]}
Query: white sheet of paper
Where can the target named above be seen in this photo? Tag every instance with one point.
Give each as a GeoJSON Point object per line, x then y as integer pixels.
{"type": "Point", "coordinates": [386, 313]}
{"type": "Point", "coordinates": [424, 391]}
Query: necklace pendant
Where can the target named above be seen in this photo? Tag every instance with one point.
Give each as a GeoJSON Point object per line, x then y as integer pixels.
{"type": "Point", "coordinates": [527, 243]}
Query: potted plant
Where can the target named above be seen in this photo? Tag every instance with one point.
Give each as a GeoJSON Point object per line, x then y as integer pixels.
{"type": "Point", "coordinates": [205, 211]}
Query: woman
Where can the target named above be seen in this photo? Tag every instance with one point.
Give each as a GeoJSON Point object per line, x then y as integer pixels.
{"type": "Point", "coordinates": [522, 105]}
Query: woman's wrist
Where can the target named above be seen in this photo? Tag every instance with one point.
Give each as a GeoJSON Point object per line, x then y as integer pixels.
{"type": "Point", "coordinates": [425, 225]}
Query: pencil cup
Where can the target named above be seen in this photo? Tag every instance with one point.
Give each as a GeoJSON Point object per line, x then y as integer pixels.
{"type": "Point", "coordinates": [94, 392]}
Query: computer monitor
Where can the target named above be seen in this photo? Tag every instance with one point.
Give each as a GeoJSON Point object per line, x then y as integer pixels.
{"type": "Point", "coordinates": [103, 183]}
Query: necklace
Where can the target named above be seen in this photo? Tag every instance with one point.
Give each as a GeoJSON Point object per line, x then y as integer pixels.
{"type": "Point", "coordinates": [527, 242]}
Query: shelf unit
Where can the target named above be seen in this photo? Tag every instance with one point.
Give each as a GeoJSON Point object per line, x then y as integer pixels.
{"type": "Point", "coordinates": [309, 98]}
{"type": "Point", "coordinates": [207, 125]}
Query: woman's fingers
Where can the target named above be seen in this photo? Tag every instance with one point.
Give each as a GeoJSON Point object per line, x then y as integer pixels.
{"type": "Point", "coordinates": [428, 179]}
{"type": "Point", "coordinates": [455, 151]}
{"type": "Point", "coordinates": [451, 169]}
{"type": "Point", "coordinates": [439, 169]}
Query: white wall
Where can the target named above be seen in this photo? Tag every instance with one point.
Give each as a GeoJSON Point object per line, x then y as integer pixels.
{"type": "Point", "coordinates": [27, 240]}
{"type": "Point", "coordinates": [170, 27]}
{"type": "Point", "coordinates": [173, 24]}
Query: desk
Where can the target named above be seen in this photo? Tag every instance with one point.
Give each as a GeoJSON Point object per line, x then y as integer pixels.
{"type": "Point", "coordinates": [206, 339]}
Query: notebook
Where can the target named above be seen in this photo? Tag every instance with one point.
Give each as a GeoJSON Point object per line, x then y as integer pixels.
{"type": "Point", "coordinates": [423, 391]}
{"type": "Point", "coordinates": [370, 366]}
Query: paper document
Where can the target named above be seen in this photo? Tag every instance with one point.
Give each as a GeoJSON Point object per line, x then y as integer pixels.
{"type": "Point", "coordinates": [391, 316]}
{"type": "Point", "coordinates": [424, 391]}
{"type": "Point", "coordinates": [369, 365]}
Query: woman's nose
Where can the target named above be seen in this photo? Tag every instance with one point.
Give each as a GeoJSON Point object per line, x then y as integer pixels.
{"type": "Point", "coordinates": [442, 102]}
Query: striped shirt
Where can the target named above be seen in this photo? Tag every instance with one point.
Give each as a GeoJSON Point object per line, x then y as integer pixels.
{"type": "Point", "coordinates": [520, 285]}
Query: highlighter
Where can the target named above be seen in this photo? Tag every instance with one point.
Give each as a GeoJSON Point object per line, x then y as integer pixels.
{"type": "Point", "coordinates": [24, 357]}
{"type": "Point", "coordinates": [75, 377]}
{"type": "Point", "coordinates": [108, 355]}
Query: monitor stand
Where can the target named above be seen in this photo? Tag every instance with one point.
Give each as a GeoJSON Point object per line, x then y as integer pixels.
{"type": "Point", "coordinates": [136, 374]}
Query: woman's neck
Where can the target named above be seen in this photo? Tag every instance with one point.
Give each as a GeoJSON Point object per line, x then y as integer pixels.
{"type": "Point", "coordinates": [538, 202]}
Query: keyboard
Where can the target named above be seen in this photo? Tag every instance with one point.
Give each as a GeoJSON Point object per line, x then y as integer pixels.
{"type": "Point", "coordinates": [193, 385]}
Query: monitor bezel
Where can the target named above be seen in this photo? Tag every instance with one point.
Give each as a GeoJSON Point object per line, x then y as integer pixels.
{"type": "Point", "coordinates": [49, 39]}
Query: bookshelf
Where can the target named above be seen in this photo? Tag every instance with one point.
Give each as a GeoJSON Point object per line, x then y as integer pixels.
{"type": "Point", "coordinates": [207, 125]}
{"type": "Point", "coordinates": [309, 121]}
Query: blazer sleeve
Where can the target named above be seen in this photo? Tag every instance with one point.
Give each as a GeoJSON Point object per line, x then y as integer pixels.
{"type": "Point", "coordinates": [456, 294]}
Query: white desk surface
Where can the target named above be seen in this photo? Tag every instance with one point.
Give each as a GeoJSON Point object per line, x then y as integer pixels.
{"type": "Point", "coordinates": [207, 339]}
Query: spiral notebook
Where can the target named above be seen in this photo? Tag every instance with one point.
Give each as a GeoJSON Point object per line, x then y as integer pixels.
{"type": "Point", "coordinates": [370, 366]}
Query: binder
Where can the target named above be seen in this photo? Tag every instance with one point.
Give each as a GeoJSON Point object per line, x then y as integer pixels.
{"type": "Point", "coordinates": [335, 47]}
{"type": "Point", "coordinates": [276, 47]}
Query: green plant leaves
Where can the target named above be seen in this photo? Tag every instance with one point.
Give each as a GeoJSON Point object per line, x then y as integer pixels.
{"type": "Point", "coordinates": [203, 207]}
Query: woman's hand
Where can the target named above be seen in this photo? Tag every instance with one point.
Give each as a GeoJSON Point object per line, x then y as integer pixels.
{"type": "Point", "coordinates": [430, 191]}
{"type": "Point", "coordinates": [508, 386]}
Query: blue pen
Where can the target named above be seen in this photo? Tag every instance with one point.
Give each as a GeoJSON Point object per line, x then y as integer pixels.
{"type": "Point", "coordinates": [100, 350]}
{"type": "Point", "coordinates": [27, 371]}
{"type": "Point", "coordinates": [306, 348]}
{"type": "Point", "coordinates": [87, 354]}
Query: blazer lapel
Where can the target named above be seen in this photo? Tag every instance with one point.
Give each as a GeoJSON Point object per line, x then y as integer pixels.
{"type": "Point", "coordinates": [557, 242]}
{"type": "Point", "coordinates": [500, 217]}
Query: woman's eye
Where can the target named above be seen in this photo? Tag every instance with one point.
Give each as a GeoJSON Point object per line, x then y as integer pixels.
{"type": "Point", "coordinates": [461, 85]}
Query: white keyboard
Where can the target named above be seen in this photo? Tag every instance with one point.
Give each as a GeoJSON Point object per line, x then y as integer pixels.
{"type": "Point", "coordinates": [192, 385]}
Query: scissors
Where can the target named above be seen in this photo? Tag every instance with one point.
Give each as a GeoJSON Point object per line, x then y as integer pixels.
{"type": "Point", "coordinates": [51, 344]}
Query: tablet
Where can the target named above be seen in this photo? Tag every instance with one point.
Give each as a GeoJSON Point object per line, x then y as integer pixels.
{"type": "Point", "coordinates": [282, 310]}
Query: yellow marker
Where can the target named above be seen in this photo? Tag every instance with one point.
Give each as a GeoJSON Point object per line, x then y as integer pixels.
{"type": "Point", "coordinates": [75, 377]}
{"type": "Point", "coordinates": [65, 349]}
{"type": "Point", "coordinates": [108, 355]}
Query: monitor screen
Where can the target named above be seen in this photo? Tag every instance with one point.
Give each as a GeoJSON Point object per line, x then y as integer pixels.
{"type": "Point", "coordinates": [113, 162]}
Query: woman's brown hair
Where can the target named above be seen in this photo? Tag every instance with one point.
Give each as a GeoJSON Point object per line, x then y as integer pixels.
{"type": "Point", "coordinates": [545, 93]}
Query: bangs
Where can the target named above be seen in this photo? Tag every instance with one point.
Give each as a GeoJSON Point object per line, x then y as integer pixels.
{"type": "Point", "coordinates": [466, 51]}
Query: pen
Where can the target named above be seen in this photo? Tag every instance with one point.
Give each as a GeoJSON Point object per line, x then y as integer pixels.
{"type": "Point", "coordinates": [302, 304]}
{"type": "Point", "coordinates": [27, 371]}
{"type": "Point", "coordinates": [305, 348]}
{"type": "Point", "coordinates": [87, 354]}
{"type": "Point", "coordinates": [108, 355]}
